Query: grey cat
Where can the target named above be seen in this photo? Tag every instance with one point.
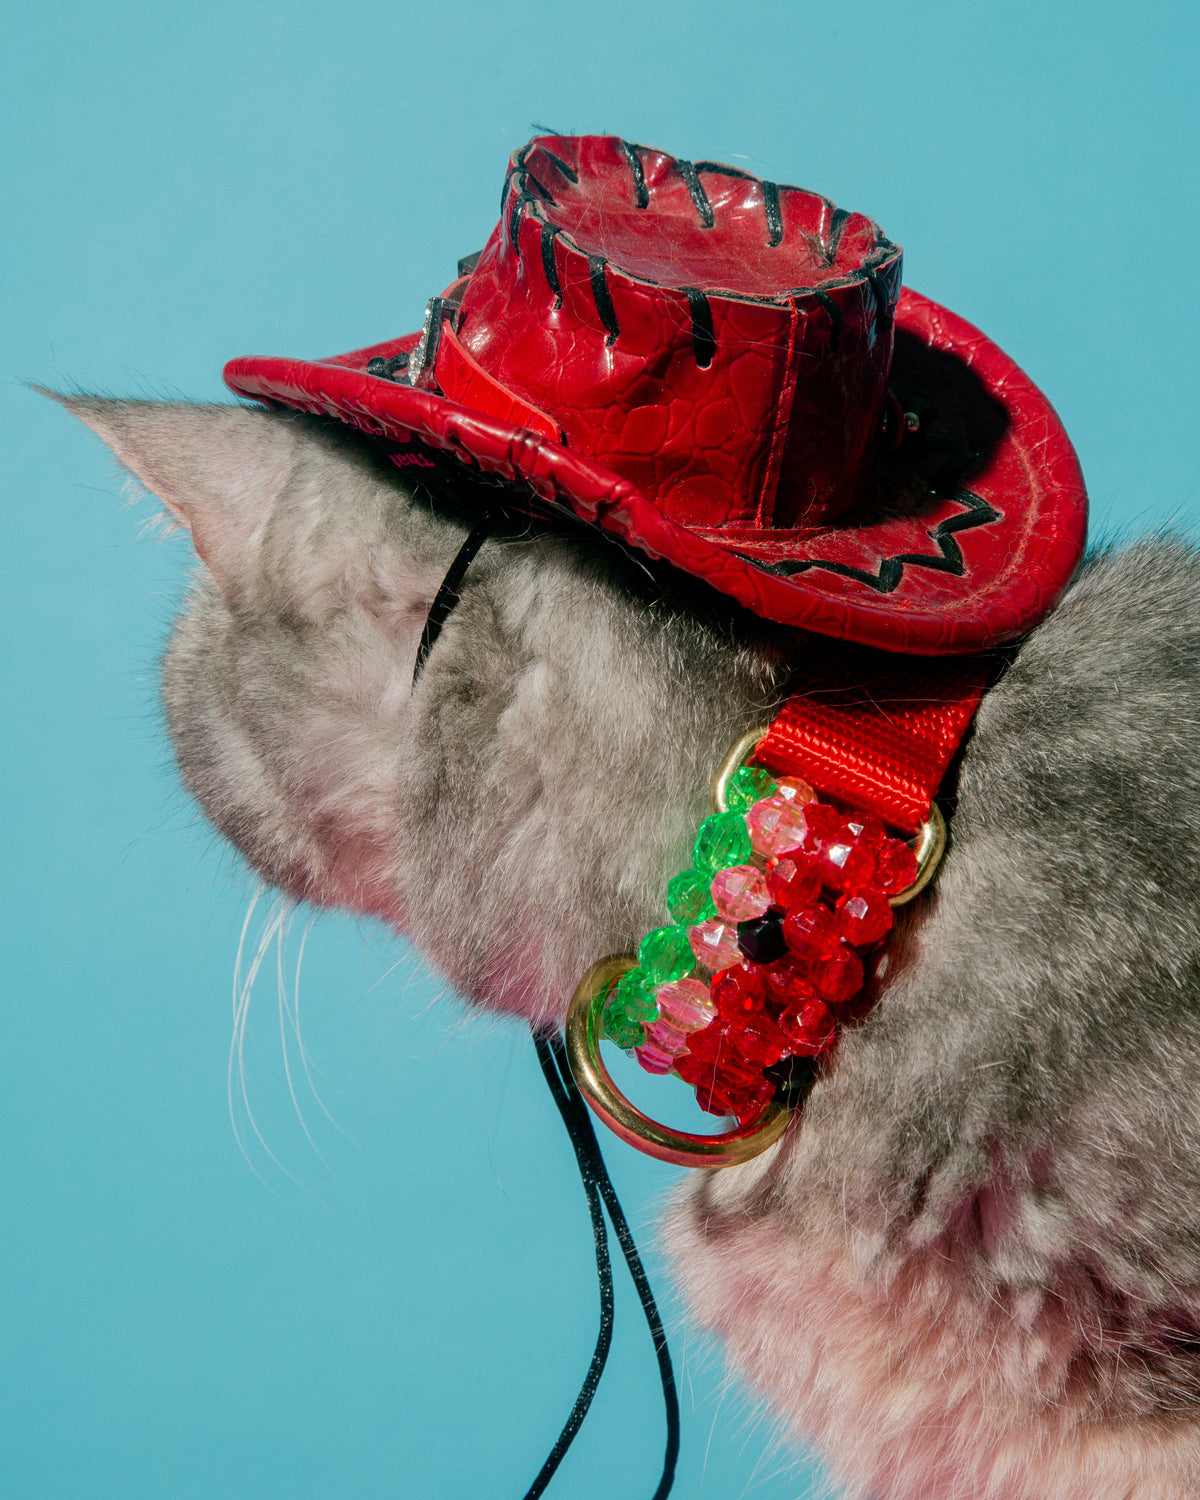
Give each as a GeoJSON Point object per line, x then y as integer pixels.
{"type": "Point", "coordinates": [973, 1270]}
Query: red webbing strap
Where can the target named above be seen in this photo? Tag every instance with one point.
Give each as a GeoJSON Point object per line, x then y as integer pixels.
{"type": "Point", "coordinates": [876, 731]}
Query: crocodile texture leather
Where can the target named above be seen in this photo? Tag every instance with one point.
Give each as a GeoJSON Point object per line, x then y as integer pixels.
{"type": "Point", "coordinates": [699, 362]}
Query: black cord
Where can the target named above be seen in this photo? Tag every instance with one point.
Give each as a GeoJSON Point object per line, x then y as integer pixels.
{"type": "Point", "coordinates": [447, 596]}
{"type": "Point", "coordinates": [591, 1380]}
{"type": "Point", "coordinates": [552, 1056]}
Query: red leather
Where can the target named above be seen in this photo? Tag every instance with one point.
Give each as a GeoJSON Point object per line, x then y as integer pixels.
{"type": "Point", "coordinates": [877, 735]}
{"type": "Point", "coordinates": [718, 388]}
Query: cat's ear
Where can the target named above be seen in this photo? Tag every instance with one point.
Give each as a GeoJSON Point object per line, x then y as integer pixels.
{"type": "Point", "coordinates": [217, 469]}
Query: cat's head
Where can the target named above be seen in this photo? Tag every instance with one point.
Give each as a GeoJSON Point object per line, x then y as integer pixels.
{"type": "Point", "coordinates": [518, 811]}
{"type": "Point", "coordinates": [289, 673]}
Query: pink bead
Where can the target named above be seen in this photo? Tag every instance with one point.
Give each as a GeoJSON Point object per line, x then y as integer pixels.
{"type": "Point", "coordinates": [740, 893]}
{"type": "Point", "coordinates": [654, 1059]}
{"type": "Point", "coordinates": [775, 825]}
{"type": "Point", "coordinates": [715, 944]}
{"type": "Point", "coordinates": [664, 1043]}
{"type": "Point", "coordinates": [686, 1004]}
{"type": "Point", "coordinates": [792, 789]}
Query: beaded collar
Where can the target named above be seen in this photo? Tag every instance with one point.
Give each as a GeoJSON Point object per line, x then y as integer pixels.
{"type": "Point", "coordinates": [776, 942]}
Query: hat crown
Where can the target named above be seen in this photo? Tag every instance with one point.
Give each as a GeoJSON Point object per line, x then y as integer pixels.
{"type": "Point", "coordinates": [721, 342]}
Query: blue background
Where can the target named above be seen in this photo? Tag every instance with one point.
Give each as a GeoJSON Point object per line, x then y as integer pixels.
{"type": "Point", "coordinates": [403, 1306]}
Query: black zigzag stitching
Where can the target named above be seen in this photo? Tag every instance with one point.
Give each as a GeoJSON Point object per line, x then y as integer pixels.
{"type": "Point", "coordinates": [891, 569]}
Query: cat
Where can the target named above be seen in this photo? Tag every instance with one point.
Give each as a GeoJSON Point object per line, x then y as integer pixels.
{"type": "Point", "coordinates": [972, 1272]}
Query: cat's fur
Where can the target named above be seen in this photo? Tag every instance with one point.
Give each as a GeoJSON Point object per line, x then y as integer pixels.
{"type": "Point", "coordinates": [974, 1269]}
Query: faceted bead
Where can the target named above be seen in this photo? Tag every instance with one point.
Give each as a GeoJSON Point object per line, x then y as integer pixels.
{"type": "Point", "coordinates": [688, 898]}
{"type": "Point", "coordinates": [839, 977]}
{"type": "Point", "coordinates": [794, 790]}
{"type": "Point", "coordinates": [734, 1092]}
{"type": "Point", "coordinates": [685, 1004]}
{"type": "Point", "coordinates": [868, 830]}
{"type": "Point", "coordinates": [654, 1059]}
{"type": "Point", "coordinates": [723, 840]}
{"type": "Point", "coordinates": [758, 1043]}
{"type": "Point", "coordinates": [775, 824]}
{"type": "Point", "coordinates": [635, 995]}
{"type": "Point", "coordinates": [788, 985]}
{"type": "Point", "coordinates": [847, 863]}
{"type": "Point", "coordinates": [864, 917]}
{"type": "Point", "coordinates": [737, 992]}
{"type": "Point", "coordinates": [666, 954]}
{"type": "Point", "coordinates": [793, 879]}
{"type": "Point", "coordinates": [762, 940]}
{"type": "Point", "coordinates": [740, 892]}
{"type": "Point", "coordinates": [705, 1049]}
{"type": "Point", "coordinates": [662, 1046]}
{"type": "Point", "coordinates": [821, 823]}
{"type": "Point", "coordinates": [810, 1030]}
{"type": "Point", "coordinates": [811, 933]}
{"type": "Point", "coordinates": [747, 785]}
{"type": "Point", "coordinates": [715, 944]}
{"type": "Point", "coordinates": [895, 867]}
{"type": "Point", "coordinates": [619, 1028]}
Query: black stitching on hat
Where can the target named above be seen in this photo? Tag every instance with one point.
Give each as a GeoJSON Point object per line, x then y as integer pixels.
{"type": "Point", "coordinates": [565, 168]}
{"type": "Point", "coordinates": [549, 265]}
{"type": "Point", "coordinates": [640, 191]}
{"type": "Point", "coordinates": [704, 341]}
{"type": "Point", "coordinates": [833, 240]}
{"type": "Point", "coordinates": [774, 215]}
{"type": "Point", "coordinates": [608, 313]}
{"type": "Point", "coordinates": [835, 318]}
{"type": "Point", "coordinates": [891, 569]}
{"type": "Point", "coordinates": [696, 188]}
{"type": "Point", "coordinates": [519, 203]}
{"type": "Point", "coordinates": [725, 171]}
{"type": "Point", "coordinates": [547, 196]}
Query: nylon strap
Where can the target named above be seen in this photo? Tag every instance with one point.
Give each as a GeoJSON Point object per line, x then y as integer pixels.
{"type": "Point", "coordinates": [876, 731]}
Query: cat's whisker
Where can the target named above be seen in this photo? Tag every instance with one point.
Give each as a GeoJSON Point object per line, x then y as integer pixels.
{"type": "Point", "coordinates": [294, 1015]}
{"type": "Point", "coordinates": [285, 911]}
{"type": "Point", "coordinates": [265, 939]}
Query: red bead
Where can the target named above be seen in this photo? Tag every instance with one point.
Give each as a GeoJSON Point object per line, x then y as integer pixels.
{"type": "Point", "coordinates": [895, 867]}
{"type": "Point", "coordinates": [741, 1095]}
{"type": "Point", "coordinates": [847, 863]}
{"type": "Point", "coordinates": [840, 977]}
{"type": "Point", "coordinates": [821, 823]}
{"type": "Point", "coordinates": [811, 933]}
{"type": "Point", "coordinates": [810, 1030]}
{"type": "Point", "coordinates": [793, 879]}
{"type": "Point", "coordinates": [869, 831]}
{"type": "Point", "coordinates": [864, 917]}
{"type": "Point", "coordinates": [738, 991]}
{"type": "Point", "coordinates": [757, 1043]}
{"type": "Point", "coordinates": [788, 986]}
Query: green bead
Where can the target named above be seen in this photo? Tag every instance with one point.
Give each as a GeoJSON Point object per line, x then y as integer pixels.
{"type": "Point", "coordinates": [688, 898]}
{"type": "Point", "coordinates": [723, 840]}
{"type": "Point", "coordinates": [665, 954]}
{"type": "Point", "coordinates": [635, 996]}
{"type": "Point", "coordinates": [618, 1028]}
{"type": "Point", "coordinates": [748, 785]}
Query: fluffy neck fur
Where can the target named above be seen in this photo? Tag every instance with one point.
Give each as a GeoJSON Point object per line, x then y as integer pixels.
{"type": "Point", "coordinates": [974, 1270]}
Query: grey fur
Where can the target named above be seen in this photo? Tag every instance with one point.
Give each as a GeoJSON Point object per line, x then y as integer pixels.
{"type": "Point", "coordinates": [1016, 1130]}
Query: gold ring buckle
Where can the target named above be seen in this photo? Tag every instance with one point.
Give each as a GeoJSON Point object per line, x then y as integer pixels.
{"type": "Point", "coordinates": [585, 1028]}
{"type": "Point", "coordinates": [585, 1025]}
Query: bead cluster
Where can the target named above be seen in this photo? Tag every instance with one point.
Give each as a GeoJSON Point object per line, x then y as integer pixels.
{"type": "Point", "coordinates": [764, 955]}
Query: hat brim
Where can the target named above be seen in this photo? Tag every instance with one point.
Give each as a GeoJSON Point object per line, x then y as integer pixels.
{"type": "Point", "coordinates": [961, 555]}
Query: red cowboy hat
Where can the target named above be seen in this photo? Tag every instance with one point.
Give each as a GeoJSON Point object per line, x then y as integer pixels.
{"type": "Point", "coordinates": [725, 373]}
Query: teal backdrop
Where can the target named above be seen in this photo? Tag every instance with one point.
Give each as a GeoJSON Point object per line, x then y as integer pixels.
{"type": "Point", "coordinates": [390, 1293]}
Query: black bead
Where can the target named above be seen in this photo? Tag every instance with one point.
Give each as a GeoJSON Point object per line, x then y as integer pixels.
{"type": "Point", "coordinates": [761, 939]}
